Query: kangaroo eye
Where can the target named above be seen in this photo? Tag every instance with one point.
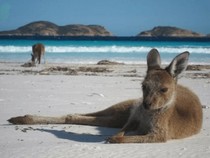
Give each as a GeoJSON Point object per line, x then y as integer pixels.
{"type": "Point", "coordinates": [163, 90]}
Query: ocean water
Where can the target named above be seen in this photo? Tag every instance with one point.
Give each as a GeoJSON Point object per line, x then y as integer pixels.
{"type": "Point", "coordinates": [84, 52]}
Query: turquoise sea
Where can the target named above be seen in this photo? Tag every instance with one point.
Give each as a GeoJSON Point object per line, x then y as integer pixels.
{"type": "Point", "coordinates": [89, 51]}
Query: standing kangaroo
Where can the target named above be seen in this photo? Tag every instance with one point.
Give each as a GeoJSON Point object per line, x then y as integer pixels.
{"type": "Point", "coordinates": [166, 111]}
{"type": "Point", "coordinates": [38, 51]}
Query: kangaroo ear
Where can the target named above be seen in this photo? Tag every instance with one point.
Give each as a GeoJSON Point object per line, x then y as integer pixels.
{"type": "Point", "coordinates": [153, 59]}
{"type": "Point", "coordinates": [178, 64]}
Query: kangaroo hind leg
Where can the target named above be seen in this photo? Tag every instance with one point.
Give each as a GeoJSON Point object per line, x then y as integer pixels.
{"type": "Point", "coordinates": [34, 119]}
{"type": "Point", "coordinates": [114, 116]}
{"type": "Point", "coordinates": [105, 121]}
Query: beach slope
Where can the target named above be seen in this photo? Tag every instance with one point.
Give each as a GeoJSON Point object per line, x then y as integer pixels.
{"type": "Point", "coordinates": [56, 90]}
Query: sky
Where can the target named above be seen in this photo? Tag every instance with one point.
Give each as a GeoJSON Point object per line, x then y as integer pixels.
{"type": "Point", "coordinates": [121, 17]}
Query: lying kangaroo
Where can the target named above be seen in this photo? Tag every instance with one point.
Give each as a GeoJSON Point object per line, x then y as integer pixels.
{"type": "Point", "coordinates": [166, 111]}
{"type": "Point", "coordinates": [38, 51]}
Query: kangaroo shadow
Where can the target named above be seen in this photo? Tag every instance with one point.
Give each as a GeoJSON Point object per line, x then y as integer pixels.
{"type": "Point", "coordinates": [104, 133]}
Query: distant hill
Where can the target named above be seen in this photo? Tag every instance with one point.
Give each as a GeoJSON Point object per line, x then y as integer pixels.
{"type": "Point", "coordinates": [168, 31]}
{"type": "Point", "coordinates": [45, 28]}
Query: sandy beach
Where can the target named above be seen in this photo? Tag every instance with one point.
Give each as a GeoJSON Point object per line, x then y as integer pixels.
{"type": "Point", "coordinates": [59, 89]}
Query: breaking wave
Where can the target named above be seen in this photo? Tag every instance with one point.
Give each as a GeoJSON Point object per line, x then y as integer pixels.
{"type": "Point", "coordinates": [106, 49]}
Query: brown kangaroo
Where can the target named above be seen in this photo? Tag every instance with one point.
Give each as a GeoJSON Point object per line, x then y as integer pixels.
{"type": "Point", "coordinates": [38, 51]}
{"type": "Point", "coordinates": [166, 111]}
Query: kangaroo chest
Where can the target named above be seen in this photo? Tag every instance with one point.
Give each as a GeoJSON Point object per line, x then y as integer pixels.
{"type": "Point", "coordinates": [147, 122]}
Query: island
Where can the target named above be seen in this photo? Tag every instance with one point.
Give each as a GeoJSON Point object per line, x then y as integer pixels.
{"type": "Point", "coordinates": [45, 28]}
{"type": "Point", "coordinates": [169, 31]}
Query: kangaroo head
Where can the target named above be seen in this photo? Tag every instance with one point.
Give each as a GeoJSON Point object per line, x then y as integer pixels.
{"type": "Point", "coordinates": [32, 58]}
{"type": "Point", "coordinates": [159, 85]}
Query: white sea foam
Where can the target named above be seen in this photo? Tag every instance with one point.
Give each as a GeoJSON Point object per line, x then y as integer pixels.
{"type": "Point", "coordinates": [105, 49]}
{"type": "Point", "coordinates": [14, 49]}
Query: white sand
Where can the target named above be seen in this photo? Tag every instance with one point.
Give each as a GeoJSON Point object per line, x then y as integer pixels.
{"type": "Point", "coordinates": [25, 93]}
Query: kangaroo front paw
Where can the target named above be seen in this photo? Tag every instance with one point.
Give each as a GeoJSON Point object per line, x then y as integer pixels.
{"type": "Point", "coordinates": [115, 139]}
{"type": "Point", "coordinates": [27, 119]}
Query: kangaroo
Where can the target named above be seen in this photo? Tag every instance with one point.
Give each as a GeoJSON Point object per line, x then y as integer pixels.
{"type": "Point", "coordinates": [166, 111]}
{"type": "Point", "coordinates": [38, 51]}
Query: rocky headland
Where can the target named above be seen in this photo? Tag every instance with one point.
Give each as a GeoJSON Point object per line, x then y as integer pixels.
{"type": "Point", "coordinates": [168, 31]}
{"type": "Point", "coordinates": [45, 28]}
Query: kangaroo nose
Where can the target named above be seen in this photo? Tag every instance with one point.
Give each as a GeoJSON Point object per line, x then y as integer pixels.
{"type": "Point", "coordinates": [146, 105]}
